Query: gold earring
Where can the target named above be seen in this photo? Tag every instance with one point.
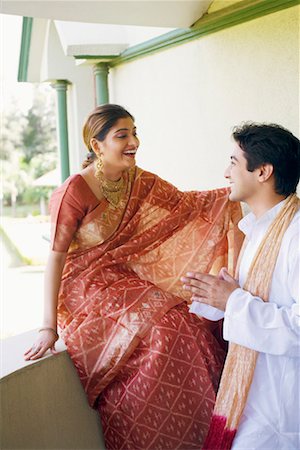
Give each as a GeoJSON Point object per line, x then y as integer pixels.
{"type": "Point", "coordinates": [99, 168]}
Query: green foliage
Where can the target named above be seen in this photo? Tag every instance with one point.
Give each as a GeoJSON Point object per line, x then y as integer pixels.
{"type": "Point", "coordinates": [38, 136]}
{"type": "Point", "coordinates": [28, 148]}
{"type": "Point", "coordinates": [32, 194]}
{"type": "Point", "coordinates": [12, 123]}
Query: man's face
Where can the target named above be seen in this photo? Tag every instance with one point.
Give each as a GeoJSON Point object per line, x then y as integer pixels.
{"type": "Point", "coordinates": [244, 184]}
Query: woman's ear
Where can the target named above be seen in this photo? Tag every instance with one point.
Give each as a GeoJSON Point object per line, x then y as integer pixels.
{"type": "Point", "coordinates": [95, 146]}
{"type": "Point", "coordinates": [265, 172]}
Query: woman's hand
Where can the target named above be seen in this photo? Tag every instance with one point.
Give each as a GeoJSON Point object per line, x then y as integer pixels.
{"type": "Point", "coordinates": [44, 342]}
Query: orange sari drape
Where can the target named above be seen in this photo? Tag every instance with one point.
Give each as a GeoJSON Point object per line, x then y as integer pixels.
{"type": "Point", "coordinates": [123, 268]}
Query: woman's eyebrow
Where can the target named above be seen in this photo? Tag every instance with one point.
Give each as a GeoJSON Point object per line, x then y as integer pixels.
{"type": "Point", "coordinates": [124, 129]}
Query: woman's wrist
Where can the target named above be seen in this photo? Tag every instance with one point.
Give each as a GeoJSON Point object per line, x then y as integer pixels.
{"type": "Point", "coordinates": [49, 323]}
{"type": "Point", "coordinates": [53, 330]}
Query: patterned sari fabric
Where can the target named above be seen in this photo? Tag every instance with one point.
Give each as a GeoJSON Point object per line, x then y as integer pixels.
{"type": "Point", "coordinates": [163, 398]}
{"type": "Point", "coordinates": [121, 282]}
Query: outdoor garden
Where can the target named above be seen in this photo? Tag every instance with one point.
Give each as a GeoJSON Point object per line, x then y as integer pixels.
{"type": "Point", "coordinates": [28, 177]}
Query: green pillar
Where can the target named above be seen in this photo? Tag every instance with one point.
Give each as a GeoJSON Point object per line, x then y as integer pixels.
{"type": "Point", "coordinates": [101, 79]}
{"type": "Point", "coordinates": [61, 87]}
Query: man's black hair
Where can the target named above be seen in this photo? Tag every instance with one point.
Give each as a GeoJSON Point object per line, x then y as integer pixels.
{"type": "Point", "coordinates": [271, 144]}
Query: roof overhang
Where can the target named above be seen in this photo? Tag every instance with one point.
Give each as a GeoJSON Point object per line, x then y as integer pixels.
{"type": "Point", "coordinates": [154, 13]}
{"type": "Point", "coordinates": [118, 47]}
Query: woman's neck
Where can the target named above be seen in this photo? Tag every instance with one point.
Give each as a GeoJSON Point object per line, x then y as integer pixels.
{"type": "Point", "coordinates": [109, 173]}
{"type": "Point", "coordinates": [112, 175]}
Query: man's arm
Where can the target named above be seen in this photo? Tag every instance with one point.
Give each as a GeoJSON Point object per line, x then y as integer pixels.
{"type": "Point", "coordinates": [249, 321]}
{"type": "Point", "coordinates": [262, 326]}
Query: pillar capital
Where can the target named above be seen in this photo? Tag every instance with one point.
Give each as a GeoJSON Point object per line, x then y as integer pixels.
{"type": "Point", "coordinates": [60, 84]}
{"type": "Point", "coordinates": [101, 68]}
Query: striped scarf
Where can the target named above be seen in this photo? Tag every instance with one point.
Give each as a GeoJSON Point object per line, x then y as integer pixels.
{"type": "Point", "coordinates": [240, 362]}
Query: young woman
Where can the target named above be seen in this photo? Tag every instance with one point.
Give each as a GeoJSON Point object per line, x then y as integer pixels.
{"type": "Point", "coordinates": [121, 239]}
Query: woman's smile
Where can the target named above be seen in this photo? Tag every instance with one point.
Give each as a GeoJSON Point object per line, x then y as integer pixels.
{"type": "Point", "coordinates": [130, 153]}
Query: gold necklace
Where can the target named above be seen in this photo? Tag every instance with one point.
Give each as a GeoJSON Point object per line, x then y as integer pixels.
{"type": "Point", "coordinates": [113, 190]}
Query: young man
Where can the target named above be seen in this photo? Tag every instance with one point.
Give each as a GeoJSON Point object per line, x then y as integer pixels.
{"type": "Point", "coordinates": [258, 403]}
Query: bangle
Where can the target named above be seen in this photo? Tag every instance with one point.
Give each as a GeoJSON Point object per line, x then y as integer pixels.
{"type": "Point", "coordinates": [50, 329]}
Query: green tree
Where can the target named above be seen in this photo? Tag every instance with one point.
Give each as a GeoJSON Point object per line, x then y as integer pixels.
{"type": "Point", "coordinates": [28, 147]}
{"type": "Point", "coordinates": [12, 124]}
{"type": "Point", "coordinates": [38, 137]}
{"type": "Point", "coordinates": [13, 178]}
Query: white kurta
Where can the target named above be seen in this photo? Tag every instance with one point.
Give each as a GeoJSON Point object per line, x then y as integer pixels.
{"type": "Point", "coordinates": [271, 418]}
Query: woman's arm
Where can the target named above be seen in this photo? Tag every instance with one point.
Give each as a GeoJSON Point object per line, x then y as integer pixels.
{"type": "Point", "coordinates": [48, 334]}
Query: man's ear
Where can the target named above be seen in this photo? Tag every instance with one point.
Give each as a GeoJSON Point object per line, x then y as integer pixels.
{"type": "Point", "coordinates": [265, 172]}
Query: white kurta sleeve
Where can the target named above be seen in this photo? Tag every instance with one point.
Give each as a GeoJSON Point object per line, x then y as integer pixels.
{"type": "Point", "coordinates": [206, 311]}
{"type": "Point", "coordinates": [265, 326]}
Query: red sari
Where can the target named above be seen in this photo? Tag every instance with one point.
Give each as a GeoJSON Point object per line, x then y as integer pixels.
{"type": "Point", "coordinates": [149, 366]}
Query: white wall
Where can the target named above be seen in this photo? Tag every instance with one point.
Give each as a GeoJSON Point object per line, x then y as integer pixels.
{"type": "Point", "coordinates": [187, 99]}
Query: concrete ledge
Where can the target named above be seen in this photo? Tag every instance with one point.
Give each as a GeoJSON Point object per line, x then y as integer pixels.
{"type": "Point", "coordinates": [43, 405]}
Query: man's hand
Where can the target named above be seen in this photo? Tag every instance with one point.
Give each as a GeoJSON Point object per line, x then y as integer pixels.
{"type": "Point", "coordinates": [209, 289]}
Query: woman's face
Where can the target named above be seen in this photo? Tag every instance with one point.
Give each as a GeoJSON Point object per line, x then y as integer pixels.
{"type": "Point", "coordinates": [119, 147]}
